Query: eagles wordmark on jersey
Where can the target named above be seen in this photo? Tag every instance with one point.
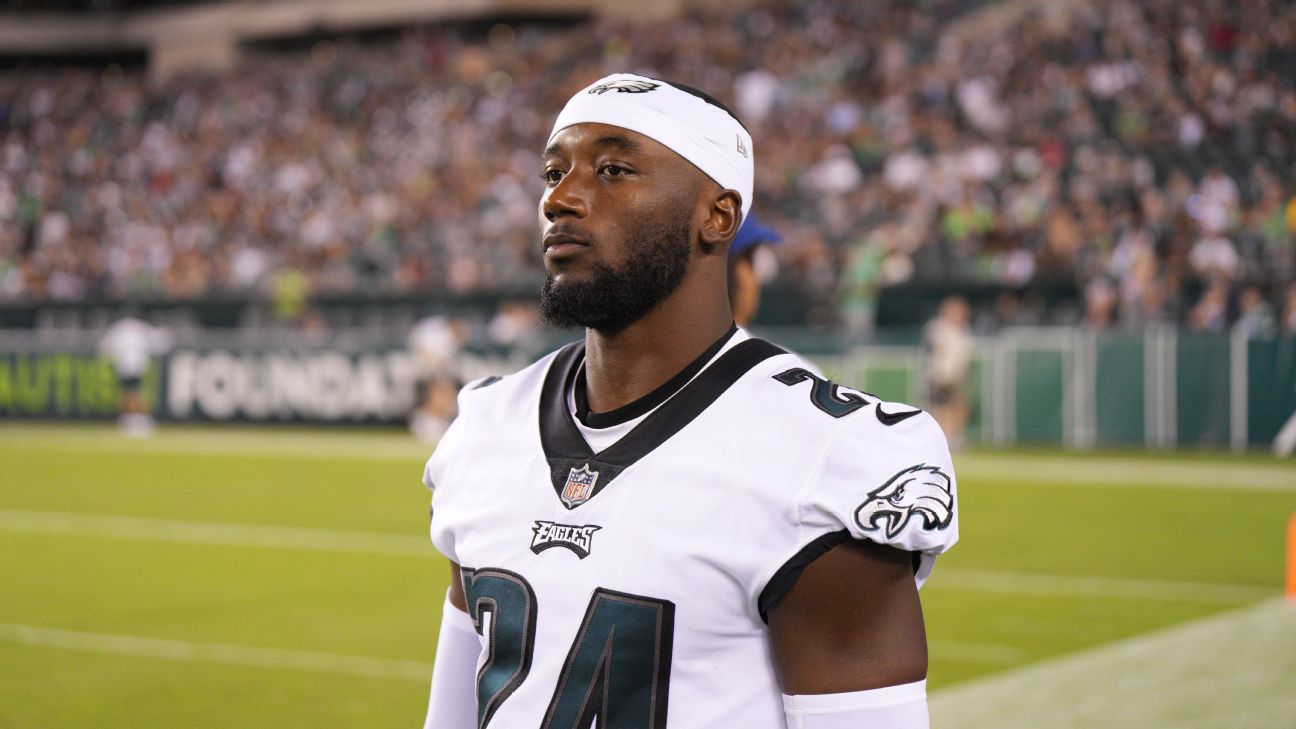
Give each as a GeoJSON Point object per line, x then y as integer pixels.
{"type": "Point", "coordinates": [628, 588]}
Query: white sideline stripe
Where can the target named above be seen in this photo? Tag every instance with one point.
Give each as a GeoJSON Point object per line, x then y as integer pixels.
{"type": "Point", "coordinates": [237, 655]}
{"type": "Point", "coordinates": [1230, 671]}
{"type": "Point", "coordinates": [236, 535]}
{"type": "Point", "coordinates": [330, 540]}
{"type": "Point", "coordinates": [1088, 470]}
{"type": "Point", "coordinates": [1017, 583]}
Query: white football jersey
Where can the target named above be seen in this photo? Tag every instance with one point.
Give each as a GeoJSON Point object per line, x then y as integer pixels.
{"type": "Point", "coordinates": [628, 588]}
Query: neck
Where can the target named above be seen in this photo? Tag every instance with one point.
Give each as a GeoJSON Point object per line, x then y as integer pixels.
{"type": "Point", "coordinates": [624, 366]}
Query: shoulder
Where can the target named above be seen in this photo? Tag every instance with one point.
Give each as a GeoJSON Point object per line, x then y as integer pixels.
{"type": "Point", "coordinates": [501, 394]}
{"type": "Point", "coordinates": [489, 410]}
{"type": "Point", "coordinates": [794, 387]}
{"type": "Point", "coordinates": [882, 470]}
{"type": "Point", "coordinates": [888, 478]}
{"type": "Point", "coordinates": [841, 464]}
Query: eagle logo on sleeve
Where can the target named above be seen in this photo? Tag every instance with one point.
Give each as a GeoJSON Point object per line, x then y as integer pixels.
{"type": "Point", "coordinates": [923, 491]}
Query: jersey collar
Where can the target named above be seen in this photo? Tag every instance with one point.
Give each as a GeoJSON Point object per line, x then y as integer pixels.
{"type": "Point", "coordinates": [577, 473]}
{"type": "Point", "coordinates": [647, 403]}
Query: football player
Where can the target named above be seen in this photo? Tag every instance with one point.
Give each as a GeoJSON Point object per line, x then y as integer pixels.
{"type": "Point", "coordinates": [670, 523]}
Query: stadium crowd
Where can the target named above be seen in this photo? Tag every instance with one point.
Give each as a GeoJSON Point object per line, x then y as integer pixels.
{"type": "Point", "coordinates": [1143, 150]}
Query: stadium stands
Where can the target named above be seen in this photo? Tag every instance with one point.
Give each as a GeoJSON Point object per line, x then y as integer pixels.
{"type": "Point", "coordinates": [1140, 150]}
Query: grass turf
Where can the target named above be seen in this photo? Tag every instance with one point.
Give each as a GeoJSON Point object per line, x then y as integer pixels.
{"type": "Point", "coordinates": [1044, 569]}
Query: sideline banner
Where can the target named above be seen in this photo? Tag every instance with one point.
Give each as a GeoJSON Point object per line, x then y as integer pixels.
{"type": "Point", "coordinates": [54, 385]}
{"type": "Point", "coordinates": [317, 386]}
{"type": "Point", "coordinates": [1198, 393]}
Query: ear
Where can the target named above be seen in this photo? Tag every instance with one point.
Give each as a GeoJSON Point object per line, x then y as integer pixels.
{"type": "Point", "coordinates": [723, 218]}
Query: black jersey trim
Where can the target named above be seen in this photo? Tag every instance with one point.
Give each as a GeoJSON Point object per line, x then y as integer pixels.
{"type": "Point", "coordinates": [565, 448]}
{"type": "Point", "coordinates": [645, 404]}
{"type": "Point", "coordinates": [787, 575]}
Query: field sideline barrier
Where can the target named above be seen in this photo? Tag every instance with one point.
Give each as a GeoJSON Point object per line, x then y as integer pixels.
{"type": "Point", "coordinates": [1161, 388]}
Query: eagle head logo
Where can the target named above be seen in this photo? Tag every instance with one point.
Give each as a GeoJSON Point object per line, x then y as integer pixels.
{"type": "Point", "coordinates": [921, 490]}
{"type": "Point", "coordinates": [624, 86]}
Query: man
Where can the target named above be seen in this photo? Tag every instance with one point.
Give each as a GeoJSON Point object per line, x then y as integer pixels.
{"type": "Point", "coordinates": [671, 523]}
{"type": "Point", "coordinates": [130, 344]}
{"type": "Point", "coordinates": [434, 342]}
{"type": "Point", "coordinates": [745, 276]}
{"type": "Point", "coordinates": [950, 349]}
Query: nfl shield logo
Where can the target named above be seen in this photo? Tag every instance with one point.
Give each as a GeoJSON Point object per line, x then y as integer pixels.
{"type": "Point", "coordinates": [579, 487]}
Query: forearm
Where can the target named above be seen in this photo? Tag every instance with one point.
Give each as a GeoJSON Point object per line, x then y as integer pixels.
{"type": "Point", "coordinates": [453, 700]}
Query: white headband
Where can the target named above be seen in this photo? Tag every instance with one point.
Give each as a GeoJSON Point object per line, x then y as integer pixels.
{"type": "Point", "coordinates": [696, 130]}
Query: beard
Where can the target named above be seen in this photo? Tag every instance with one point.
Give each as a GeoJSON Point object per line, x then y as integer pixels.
{"type": "Point", "coordinates": [613, 298]}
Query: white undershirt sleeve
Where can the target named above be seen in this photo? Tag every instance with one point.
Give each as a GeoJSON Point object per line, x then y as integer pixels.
{"type": "Point", "coordinates": [453, 700]}
{"type": "Point", "coordinates": [893, 707]}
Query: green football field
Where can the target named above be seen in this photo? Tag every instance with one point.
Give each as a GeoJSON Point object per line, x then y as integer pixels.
{"type": "Point", "coordinates": [239, 577]}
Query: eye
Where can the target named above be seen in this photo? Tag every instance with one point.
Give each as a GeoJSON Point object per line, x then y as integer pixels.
{"type": "Point", "coordinates": [551, 176]}
{"type": "Point", "coordinates": [614, 170]}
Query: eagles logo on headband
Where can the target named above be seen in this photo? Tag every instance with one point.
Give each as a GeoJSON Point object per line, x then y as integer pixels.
{"type": "Point", "coordinates": [625, 87]}
{"type": "Point", "coordinates": [701, 132]}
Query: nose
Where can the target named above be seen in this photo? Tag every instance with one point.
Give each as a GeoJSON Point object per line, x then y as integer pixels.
{"type": "Point", "coordinates": [570, 197]}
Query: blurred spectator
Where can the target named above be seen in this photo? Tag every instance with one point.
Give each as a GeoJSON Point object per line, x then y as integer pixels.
{"type": "Point", "coordinates": [1289, 311]}
{"type": "Point", "coordinates": [1211, 312]}
{"type": "Point", "coordinates": [1255, 316]}
{"type": "Point", "coordinates": [434, 343]}
{"type": "Point", "coordinates": [879, 259]}
{"type": "Point", "coordinates": [1214, 257]}
{"type": "Point", "coordinates": [1100, 304]}
{"type": "Point", "coordinates": [516, 324]}
{"type": "Point", "coordinates": [1116, 139]}
{"type": "Point", "coordinates": [950, 348]}
{"type": "Point", "coordinates": [131, 344]}
{"type": "Point", "coordinates": [751, 265]}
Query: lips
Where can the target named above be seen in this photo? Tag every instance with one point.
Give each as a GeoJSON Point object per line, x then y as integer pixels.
{"type": "Point", "coordinates": [563, 243]}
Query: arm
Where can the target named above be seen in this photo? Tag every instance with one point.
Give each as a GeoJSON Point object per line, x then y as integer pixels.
{"type": "Point", "coordinates": [453, 700]}
{"type": "Point", "coordinates": [848, 641]}
{"type": "Point", "coordinates": [847, 634]}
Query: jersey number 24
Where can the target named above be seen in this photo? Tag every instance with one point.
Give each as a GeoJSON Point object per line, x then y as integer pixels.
{"type": "Point", "coordinates": [618, 667]}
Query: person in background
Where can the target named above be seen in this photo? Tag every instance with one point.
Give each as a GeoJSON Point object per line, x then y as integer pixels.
{"type": "Point", "coordinates": [434, 343]}
{"type": "Point", "coordinates": [1287, 324]}
{"type": "Point", "coordinates": [1255, 314]}
{"type": "Point", "coordinates": [750, 268]}
{"type": "Point", "coordinates": [950, 345]}
{"type": "Point", "coordinates": [860, 282]}
{"type": "Point", "coordinates": [516, 324]}
{"type": "Point", "coordinates": [130, 344]}
{"type": "Point", "coordinates": [1210, 314]}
